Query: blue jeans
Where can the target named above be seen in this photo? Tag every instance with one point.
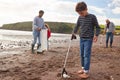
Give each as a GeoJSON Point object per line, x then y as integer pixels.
{"type": "Point", "coordinates": [85, 52]}
{"type": "Point", "coordinates": [109, 35]}
{"type": "Point", "coordinates": [36, 35]}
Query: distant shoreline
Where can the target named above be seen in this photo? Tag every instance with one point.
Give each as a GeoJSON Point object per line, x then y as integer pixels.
{"type": "Point", "coordinates": [56, 27]}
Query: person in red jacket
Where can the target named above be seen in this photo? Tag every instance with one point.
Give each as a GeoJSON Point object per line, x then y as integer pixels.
{"type": "Point", "coordinates": [48, 33]}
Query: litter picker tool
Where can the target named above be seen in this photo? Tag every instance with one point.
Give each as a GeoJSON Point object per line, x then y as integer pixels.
{"type": "Point", "coordinates": [64, 72]}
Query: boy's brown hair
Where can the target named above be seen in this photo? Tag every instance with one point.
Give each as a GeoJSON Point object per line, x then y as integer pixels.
{"type": "Point", "coordinates": [81, 6]}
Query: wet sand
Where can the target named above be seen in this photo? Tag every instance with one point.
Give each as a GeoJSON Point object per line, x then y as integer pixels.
{"type": "Point", "coordinates": [22, 65]}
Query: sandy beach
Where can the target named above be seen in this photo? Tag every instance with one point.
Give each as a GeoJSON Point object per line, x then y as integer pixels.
{"type": "Point", "coordinates": [17, 62]}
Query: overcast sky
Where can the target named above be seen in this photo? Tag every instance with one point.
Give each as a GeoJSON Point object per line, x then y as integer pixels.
{"type": "Point", "coordinates": [12, 11]}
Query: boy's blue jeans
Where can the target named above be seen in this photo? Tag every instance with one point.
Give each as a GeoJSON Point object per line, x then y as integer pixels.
{"type": "Point", "coordinates": [36, 35]}
{"type": "Point", "coordinates": [109, 35]}
{"type": "Point", "coordinates": [85, 52]}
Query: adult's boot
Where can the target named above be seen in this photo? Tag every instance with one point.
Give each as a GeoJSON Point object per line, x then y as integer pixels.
{"type": "Point", "coordinates": [38, 46]}
{"type": "Point", "coordinates": [32, 48]}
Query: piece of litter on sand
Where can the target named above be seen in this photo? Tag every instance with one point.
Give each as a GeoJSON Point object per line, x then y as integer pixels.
{"type": "Point", "coordinates": [111, 78]}
{"type": "Point", "coordinates": [66, 76]}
